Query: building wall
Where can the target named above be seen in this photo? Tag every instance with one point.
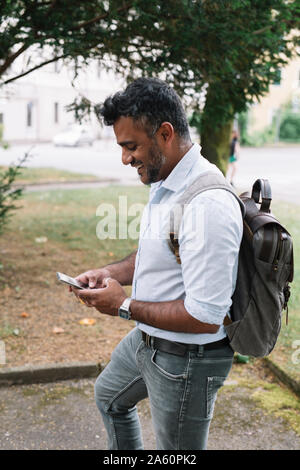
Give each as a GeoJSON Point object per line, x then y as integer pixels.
{"type": "Point", "coordinates": [51, 84]}
{"type": "Point", "coordinates": [262, 112]}
{"type": "Point", "coordinates": [33, 108]}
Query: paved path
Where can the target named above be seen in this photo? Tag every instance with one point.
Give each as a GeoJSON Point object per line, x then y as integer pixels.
{"type": "Point", "coordinates": [63, 415]}
{"type": "Point", "coordinates": [281, 165]}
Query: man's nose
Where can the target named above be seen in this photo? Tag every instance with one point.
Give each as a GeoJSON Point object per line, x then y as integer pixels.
{"type": "Point", "coordinates": [126, 157]}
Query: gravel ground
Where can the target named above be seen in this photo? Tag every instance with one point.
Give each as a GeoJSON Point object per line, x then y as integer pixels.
{"type": "Point", "coordinates": [63, 415]}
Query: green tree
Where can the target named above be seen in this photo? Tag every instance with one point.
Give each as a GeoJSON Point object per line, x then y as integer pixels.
{"type": "Point", "coordinates": [234, 48]}
{"type": "Point", "coordinates": [35, 33]}
{"type": "Point", "coordinates": [45, 31]}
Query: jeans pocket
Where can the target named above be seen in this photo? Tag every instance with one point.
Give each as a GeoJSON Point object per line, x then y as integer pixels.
{"type": "Point", "coordinates": [212, 386]}
{"type": "Point", "coordinates": [170, 366]}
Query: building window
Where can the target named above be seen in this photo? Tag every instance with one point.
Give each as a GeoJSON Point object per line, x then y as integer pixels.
{"type": "Point", "coordinates": [29, 114]}
{"type": "Point", "coordinates": [56, 116]}
{"type": "Point", "coordinates": [57, 66]}
{"type": "Point", "coordinates": [277, 79]}
{"type": "Point", "coordinates": [98, 69]}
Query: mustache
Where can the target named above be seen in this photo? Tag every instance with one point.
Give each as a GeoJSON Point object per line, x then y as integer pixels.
{"type": "Point", "coordinates": [136, 162]}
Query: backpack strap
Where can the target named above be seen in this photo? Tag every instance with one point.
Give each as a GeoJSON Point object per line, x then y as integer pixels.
{"type": "Point", "coordinates": [262, 187]}
{"type": "Point", "coordinates": [206, 181]}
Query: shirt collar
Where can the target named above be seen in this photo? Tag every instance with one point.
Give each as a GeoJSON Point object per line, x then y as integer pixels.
{"type": "Point", "coordinates": [177, 177]}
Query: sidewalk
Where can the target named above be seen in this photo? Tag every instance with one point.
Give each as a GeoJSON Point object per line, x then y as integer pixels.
{"type": "Point", "coordinates": [63, 416]}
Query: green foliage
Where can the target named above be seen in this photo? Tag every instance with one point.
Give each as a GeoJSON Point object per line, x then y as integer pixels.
{"type": "Point", "coordinates": [243, 128]}
{"type": "Point", "coordinates": [290, 127]}
{"type": "Point", "coordinates": [234, 48]}
{"type": "Point", "coordinates": [285, 126]}
{"type": "Point", "coordinates": [195, 121]}
{"type": "Point", "coordinates": [238, 46]}
{"type": "Point", "coordinates": [2, 143]}
{"type": "Point", "coordinates": [73, 31]}
{"type": "Point", "coordinates": [9, 195]}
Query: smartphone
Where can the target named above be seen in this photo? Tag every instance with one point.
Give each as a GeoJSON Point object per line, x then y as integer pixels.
{"type": "Point", "coordinates": [69, 280]}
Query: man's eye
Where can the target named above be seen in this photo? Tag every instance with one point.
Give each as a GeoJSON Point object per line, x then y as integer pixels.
{"type": "Point", "coordinates": [131, 149]}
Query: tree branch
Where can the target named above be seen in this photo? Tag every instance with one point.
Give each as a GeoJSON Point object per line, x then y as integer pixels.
{"type": "Point", "coordinates": [262, 30]}
{"type": "Point", "coordinates": [11, 59]}
{"type": "Point", "coordinates": [9, 80]}
{"type": "Point", "coordinates": [101, 17]}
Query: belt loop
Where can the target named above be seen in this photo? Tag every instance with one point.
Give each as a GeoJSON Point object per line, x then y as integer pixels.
{"type": "Point", "coordinates": [200, 352]}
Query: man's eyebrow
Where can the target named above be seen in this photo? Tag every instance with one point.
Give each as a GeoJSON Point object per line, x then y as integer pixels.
{"type": "Point", "coordinates": [126, 142]}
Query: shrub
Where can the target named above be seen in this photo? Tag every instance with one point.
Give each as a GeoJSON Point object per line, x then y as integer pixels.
{"type": "Point", "coordinates": [9, 195]}
{"type": "Point", "coordinates": [290, 127]}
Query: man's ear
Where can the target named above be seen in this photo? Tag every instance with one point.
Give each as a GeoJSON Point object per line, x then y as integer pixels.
{"type": "Point", "coordinates": [166, 131]}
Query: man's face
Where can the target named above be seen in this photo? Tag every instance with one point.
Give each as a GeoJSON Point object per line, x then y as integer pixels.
{"type": "Point", "coordinates": [139, 150]}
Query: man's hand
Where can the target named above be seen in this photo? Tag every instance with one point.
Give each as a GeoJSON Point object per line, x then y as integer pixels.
{"type": "Point", "coordinates": [106, 299]}
{"type": "Point", "coordinates": [93, 278]}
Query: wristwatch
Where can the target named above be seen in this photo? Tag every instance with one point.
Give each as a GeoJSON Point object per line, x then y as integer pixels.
{"type": "Point", "coordinates": [124, 311]}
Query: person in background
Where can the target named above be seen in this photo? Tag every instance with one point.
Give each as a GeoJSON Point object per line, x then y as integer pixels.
{"type": "Point", "coordinates": [234, 153]}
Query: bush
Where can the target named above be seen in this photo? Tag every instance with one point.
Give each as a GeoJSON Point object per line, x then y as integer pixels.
{"type": "Point", "coordinates": [2, 144]}
{"type": "Point", "coordinates": [290, 127]}
{"type": "Point", "coordinates": [8, 195]}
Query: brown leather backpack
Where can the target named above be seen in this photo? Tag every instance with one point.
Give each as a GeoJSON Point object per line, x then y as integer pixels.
{"type": "Point", "coordinates": [265, 270]}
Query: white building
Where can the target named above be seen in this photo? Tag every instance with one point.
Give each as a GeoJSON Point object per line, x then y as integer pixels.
{"type": "Point", "coordinates": [32, 108]}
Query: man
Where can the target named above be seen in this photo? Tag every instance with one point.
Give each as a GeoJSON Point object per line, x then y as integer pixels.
{"type": "Point", "coordinates": [177, 354]}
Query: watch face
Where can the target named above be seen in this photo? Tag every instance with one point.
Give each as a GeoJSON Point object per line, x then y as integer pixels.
{"type": "Point", "coordinates": [124, 313]}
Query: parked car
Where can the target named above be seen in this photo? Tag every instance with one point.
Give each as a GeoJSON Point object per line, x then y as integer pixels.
{"type": "Point", "coordinates": [74, 136]}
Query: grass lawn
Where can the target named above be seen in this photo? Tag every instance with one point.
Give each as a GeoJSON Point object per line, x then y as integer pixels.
{"type": "Point", "coordinates": [49, 175]}
{"type": "Point", "coordinates": [287, 351]}
{"type": "Point", "coordinates": [56, 231]}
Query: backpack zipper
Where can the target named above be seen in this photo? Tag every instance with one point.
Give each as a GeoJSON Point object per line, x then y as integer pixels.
{"type": "Point", "coordinates": [281, 238]}
{"type": "Point", "coordinates": [286, 291]}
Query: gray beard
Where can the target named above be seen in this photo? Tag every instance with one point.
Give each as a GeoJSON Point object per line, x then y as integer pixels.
{"type": "Point", "coordinates": [157, 161]}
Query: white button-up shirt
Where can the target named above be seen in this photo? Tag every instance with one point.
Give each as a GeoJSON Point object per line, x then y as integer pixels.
{"type": "Point", "coordinates": [209, 239]}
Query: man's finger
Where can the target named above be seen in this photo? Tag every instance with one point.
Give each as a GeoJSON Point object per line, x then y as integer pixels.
{"type": "Point", "coordinates": [92, 282]}
{"type": "Point", "coordinates": [88, 294]}
{"type": "Point", "coordinates": [106, 281]}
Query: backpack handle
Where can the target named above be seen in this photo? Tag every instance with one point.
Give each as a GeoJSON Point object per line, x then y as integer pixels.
{"type": "Point", "coordinates": [262, 186]}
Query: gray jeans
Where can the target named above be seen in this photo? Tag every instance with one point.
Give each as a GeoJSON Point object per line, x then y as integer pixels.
{"type": "Point", "coordinates": [181, 390]}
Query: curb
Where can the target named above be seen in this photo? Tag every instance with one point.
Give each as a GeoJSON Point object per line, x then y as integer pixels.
{"type": "Point", "coordinates": [67, 184]}
{"type": "Point", "coordinates": [49, 373]}
{"type": "Point", "coordinates": [43, 373]}
{"type": "Point", "coordinates": [286, 379]}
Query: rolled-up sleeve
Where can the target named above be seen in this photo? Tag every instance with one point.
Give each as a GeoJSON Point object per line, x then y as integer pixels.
{"type": "Point", "coordinates": [209, 239]}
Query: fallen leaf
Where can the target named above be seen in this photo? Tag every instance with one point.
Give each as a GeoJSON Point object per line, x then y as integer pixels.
{"type": "Point", "coordinates": [41, 239]}
{"type": "Point", "coordinates": [58, 330]}
{"type": "Point", "coordinates": [25, 315]}
{"type": "Point", "coordinates": [110, 253]}
{"type": "Point", "coordinates": [6, 291]}
{"type": "Point", "coordinates": [87, 321]}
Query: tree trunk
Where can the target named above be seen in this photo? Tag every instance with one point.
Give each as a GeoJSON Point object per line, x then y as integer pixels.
{"type": "Point", "coordinates": [216, 127]}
